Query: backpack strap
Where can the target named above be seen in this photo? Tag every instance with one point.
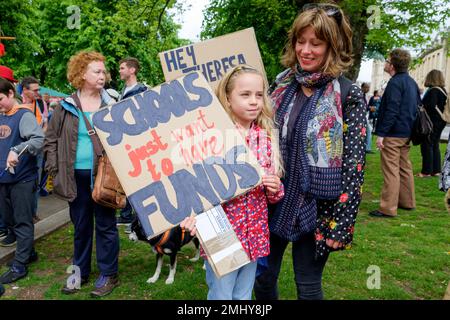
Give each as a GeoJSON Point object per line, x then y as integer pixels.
{"type": "Point", "coordinates": [91, 132]}
{"type": "Point", "coordinates": [440, 89]}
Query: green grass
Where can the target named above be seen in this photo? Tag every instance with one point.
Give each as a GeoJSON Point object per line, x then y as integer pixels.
{"type": "Point", "coordinates": [411, 250]}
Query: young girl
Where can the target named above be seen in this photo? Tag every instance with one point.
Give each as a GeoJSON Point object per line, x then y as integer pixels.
{"type": "Point", "coordinates": [242, 93]}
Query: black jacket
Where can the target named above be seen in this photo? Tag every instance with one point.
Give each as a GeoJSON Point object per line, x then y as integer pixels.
{"type": "Point", "coordinates": [398, 107]}
{"type": "Point", "coordinates": [434, 97]}
{"type": "Point", "coordinates": [138, 88]}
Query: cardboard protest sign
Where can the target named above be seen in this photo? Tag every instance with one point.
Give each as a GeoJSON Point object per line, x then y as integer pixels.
{"type": "Point", "coordinates": [176, 152]}
{"type": "Point", "coordinates": [213, 57]}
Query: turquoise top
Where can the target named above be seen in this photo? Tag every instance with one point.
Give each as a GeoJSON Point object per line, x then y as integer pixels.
{"type": "Point", "coordinates": [85, 151]}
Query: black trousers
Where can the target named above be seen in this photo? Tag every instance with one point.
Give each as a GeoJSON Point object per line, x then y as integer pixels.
{"type": "Point", "coordinates": [17, 205]}
{"type": "Point", "coordinates": [307, 270]}
{"type": "Point", "coordinates": [431, 155]}
{"type": "Point", "coordinates": [82, 212]}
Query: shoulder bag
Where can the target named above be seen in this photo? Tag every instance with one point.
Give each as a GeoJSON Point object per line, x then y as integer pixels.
{"type": "Point", "coordinates": [107, 190]}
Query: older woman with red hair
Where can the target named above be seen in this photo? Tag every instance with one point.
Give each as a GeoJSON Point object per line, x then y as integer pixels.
{"type": "Point", "coordinates": [72, 163]}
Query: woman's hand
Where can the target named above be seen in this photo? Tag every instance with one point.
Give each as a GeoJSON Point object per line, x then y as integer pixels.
{"type": "Point", "coordinates": [272, 183]}
{"type": "Point", "coordinates": [334, 244]}
{"type": "Point", "coordinates": [189, 225]}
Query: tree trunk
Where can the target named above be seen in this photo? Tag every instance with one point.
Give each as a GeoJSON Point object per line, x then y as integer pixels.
{"type": "Point", "coordinates": [42, 74]}
{"type": "Point", "coordinates": [359, 33]}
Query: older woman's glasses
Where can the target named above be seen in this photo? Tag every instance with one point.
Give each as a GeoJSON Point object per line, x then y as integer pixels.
{"type": "Point", "coordinates": [330, 10]}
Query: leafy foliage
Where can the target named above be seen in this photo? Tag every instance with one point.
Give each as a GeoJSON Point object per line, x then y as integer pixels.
{"type": "Point", "coordinates": [120, 28]}
{"type": "Point", "coordinates": [408, 23]}
{"type": "Point", "coordinates": [271, 20]}
{"type": "Point", "coordinates": [403, 23]}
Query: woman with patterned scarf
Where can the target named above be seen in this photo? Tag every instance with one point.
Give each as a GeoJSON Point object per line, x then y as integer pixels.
{"type": "Point", "coordinates": [322, 126]}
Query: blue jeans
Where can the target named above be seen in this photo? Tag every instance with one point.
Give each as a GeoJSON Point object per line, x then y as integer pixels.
{"type": "Point", "coordinates": [127, 212]}
{"type": "Point", "coordinates": [236, 285]}
{"type": "Point", "coordinates": [307, 269]}
{"type": "Point", "coordinates": [369, 137]}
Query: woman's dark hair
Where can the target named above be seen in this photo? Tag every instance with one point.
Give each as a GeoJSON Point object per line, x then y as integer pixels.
{"type": "Point", "coordinates": [375, 92]}
{"type": "Point", "coordinates": [6, 86]}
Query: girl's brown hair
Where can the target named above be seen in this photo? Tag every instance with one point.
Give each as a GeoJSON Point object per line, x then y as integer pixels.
{"type": "Point", "coordinates": [333, 28]}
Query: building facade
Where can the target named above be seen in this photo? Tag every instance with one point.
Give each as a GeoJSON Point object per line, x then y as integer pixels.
{"type": "Point", "coordinates": [433, 58]}
{"type": "Point", "coordinates": [379, 77]}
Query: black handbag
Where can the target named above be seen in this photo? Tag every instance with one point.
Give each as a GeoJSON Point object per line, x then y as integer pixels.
{"type": "Point", "coordinates": [422, 128]}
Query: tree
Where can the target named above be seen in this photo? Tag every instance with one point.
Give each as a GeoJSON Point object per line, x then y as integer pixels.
{"type": "Point", "coordinates": [14, 22]}
{"type": "Point", "coordinates": [270, 18]}
{"type": "Point", "coordinates": [402, 23]}
{"type": "Point", "coordinates": [120, 28]}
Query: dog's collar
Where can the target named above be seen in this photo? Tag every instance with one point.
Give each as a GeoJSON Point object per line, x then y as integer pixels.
{"type": "Point", "coordinates": [165, 237]}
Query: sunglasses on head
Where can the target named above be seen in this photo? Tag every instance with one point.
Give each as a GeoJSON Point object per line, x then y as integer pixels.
{"type": "Point", "coordinates": [330, 10]}
{"type": "Point", "coordinates": [241, 67]}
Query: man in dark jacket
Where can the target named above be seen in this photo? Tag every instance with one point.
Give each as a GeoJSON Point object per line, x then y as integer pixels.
{"type": "Point", "coordinates": [395, 121]}
{"type": "Point", "coordinates": [128, 69]}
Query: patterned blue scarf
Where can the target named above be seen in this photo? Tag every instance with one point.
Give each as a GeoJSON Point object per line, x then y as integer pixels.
{"type": "Point", "coordinates": [313, 158]}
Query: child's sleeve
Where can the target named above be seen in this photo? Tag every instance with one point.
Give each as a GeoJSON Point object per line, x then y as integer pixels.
{"type": "Point", "coordinates": [32, 133]}
{"type": "Point", "coordinates": [275, 197]}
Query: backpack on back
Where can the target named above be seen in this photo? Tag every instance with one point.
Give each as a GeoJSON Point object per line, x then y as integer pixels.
{"type": "Point", "coordinates": [446, 114]}
{"type": "Point", "coordinates": [422, 127]}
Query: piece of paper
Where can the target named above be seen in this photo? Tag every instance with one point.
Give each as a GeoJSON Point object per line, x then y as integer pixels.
{"type": "Point", "coordinates": [220, 242]}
